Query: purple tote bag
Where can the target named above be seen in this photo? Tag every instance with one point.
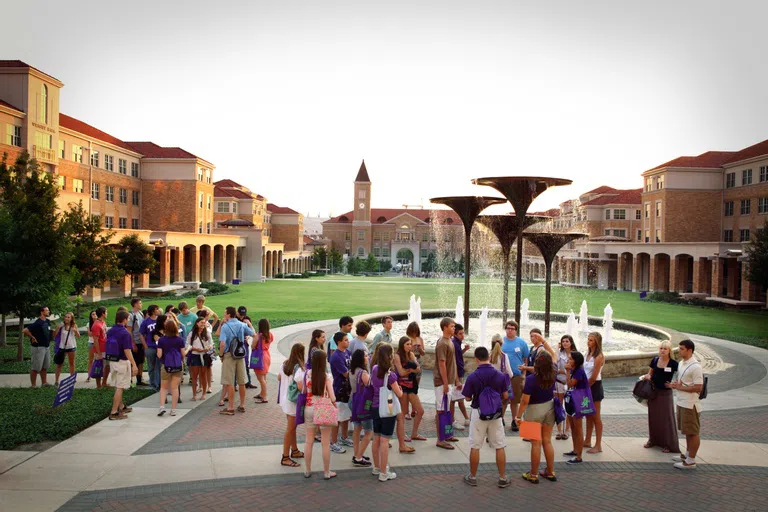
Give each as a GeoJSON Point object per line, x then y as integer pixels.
{"type": "Point", "coordinates": [257, 357]}
{"type": "Point", "coordinates": [580, 401]}
{"type": "Point", "coordinates": [445, 421]}
{"type": "Point", "coordinates": [97, 370]}
{"type": "Point", "coordinates": [362, 401]}
{"type": "Point", "coordinates": [301, 401]}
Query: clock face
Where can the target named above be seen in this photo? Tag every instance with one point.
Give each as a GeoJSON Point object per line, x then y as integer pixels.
{"type": "Point", "coordinates": [361, 205]}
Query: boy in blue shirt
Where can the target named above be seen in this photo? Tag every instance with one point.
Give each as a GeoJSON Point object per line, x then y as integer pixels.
{"type": "Point", "coordinates": [517, 350]}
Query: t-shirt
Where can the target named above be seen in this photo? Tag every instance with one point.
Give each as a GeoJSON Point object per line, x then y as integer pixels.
{"type": "Point", "coordinates": [332, 344]}
{"type": "Point", "coordinates": [209, 310]}
{"type": "Point", "coordinates": [234, 328]}
{"type": "Point", "coordinates": [41, 330]}
{"type": "Point", "coordinates": [382, 336]}
{"type": "Point", "coordinates": [170, 344]}
{"type": "Point", "coordinates": [582, 382]}
{"type": "Point", "coordinates": [444, 352]}
{"type": "Point", "coordinates": [146, 330]}
{"type": "Point", "coordinates": [339, 366]}
{"type": "Point", "coordinates": [662, 375]}
{"type": "Point", "coordinates": [459, 356]}
{"type": "Point", "coordinates": [357, 344]}
{"type": "Point", "coordinates": [377, 383]}
{"type": "Point", "coordinates": [517, 351]}
{"type": "Point", "coordinates": [534, 353]}
{"type": "Point", "coordinates": [135, 319]}
{"type": "Point", "coordinates": [689, 373]}
{"type": "Point", "coordinates": [538, 395]}
{"type": "Point", "coordinates": [485, 376]}
{"type": "Point", "coordinates": [123, 337]}
{"type": "Point", "coordinates": [99, 333]}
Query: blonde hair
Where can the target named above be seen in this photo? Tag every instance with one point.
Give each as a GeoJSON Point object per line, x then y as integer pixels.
{"type": "Point", "coordinates": [496, 353]}
{"type": "Point", "coordinates": [666, 344]}
{"type": "Point", "coordinates": [598, 350]}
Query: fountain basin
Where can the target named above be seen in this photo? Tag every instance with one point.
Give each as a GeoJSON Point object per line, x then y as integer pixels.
{"type": "Point", "coordinates": [621, 359]}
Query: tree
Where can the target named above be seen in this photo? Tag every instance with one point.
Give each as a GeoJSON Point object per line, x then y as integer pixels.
{"type": "Point", "coordinates": [354, 265]}
{"type": "Point", "coordinates": [93, 259]}
{"type": "Point", "coordinates": [135, 257]}
{"type": "Point", "coordinates": [430, 264]}
{"type": "Point", "coordinates": [320, 257]}
{"type": "Point", "coordinates": [371, 263]}
{"type": "Point", "coordinates": [757, 258]}
{"type": "Point", "coordinates": [336, 259]}
{"type": "Point", "coordinates": [34, 254]}
{"type": "Point", "coordinates": [385, 265]}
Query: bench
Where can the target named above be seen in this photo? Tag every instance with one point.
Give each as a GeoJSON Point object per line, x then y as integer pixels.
{"type": "Point", "coordinates": [188, 285]}
{"type": "Point", "coordinates": [157, 290]}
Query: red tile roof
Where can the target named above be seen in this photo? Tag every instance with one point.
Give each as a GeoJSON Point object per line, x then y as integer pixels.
{"type": "Point", "coordinates": [759, 149]}
{"type": "Point", "coordinates": [552, 212]}
{"type": "Point", "coordinates": [6, 104]}
{"type": "Point", "coordinates": [230, 192]}
{"type": "Point", "coordinates": [308, 240]}
{"type": "Point", "coordinates": [22, 64]}
{"type": "Point", "coordinates": [78, 126]}
{"type": "Point", "coordinates": [280, 209]}
{"type": "Point", "coordinates": [600, 190]}
{"type": "Point", "coordinates": [152, 150]}
{"type": "Point", "coordinates": [382, 215]}
{"type": "Point", "coordinates": [631, 196]}
{"type": "Point", "coordinates": [708, 160]}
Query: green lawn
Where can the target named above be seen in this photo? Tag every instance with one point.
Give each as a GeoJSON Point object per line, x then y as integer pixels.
{"type": "Point", "coordinates": [8, 364]}
{"type": "Point", "coordinates": [27, 415]}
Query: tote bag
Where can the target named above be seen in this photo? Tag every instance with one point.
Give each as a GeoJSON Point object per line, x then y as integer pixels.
{"type": "Point", "coordinates": [325, 412]}
{"type": "Point", "coordinates": [257, 357]}
{"type": "Point", "coordinates": [389, 405]}
{"type": "Point", "coordinates": [362, 401]}
{"type": "Point", "coordinates": [97, 370]}
{"type": "Point", "coordinates": [579, 403]}
{"type": "Point", "coordinates": [301, 402]}
{"type": "Point", "coordinates": [445, 421]}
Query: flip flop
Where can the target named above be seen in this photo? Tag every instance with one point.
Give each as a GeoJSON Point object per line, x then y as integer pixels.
{"type": "Point", "coordinates": [260, 400]}
{"type": "Point", "coordinates": [445, 446]}
{"type": "Point", "coordinates": [408, 449]}
{"type": "Point", "coordinates": [227, 412]}
{"type": "Point", "coordinates": [241, 409]}
{"type": "Point", "coordinates": [418, 438]}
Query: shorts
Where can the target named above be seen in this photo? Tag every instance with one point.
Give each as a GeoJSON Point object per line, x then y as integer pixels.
{"type": "Point", "coordinates": [138, 354]}
{"type": "Point", "coordinates": [480, 429]}
{"type": "Point", "coordinates": [409, 391]}
{"type": "Point", "coordinates": [195, 359]}
{"type": "Point", "coordinates": [344, 411]}
{"type": "Point", "coordinates": [165, 376]}
{"type": "Point", "coordinates": [439, 397]}
{"type": "Point", "coordinates": [121, 373]}
{"type": "Point", "coordinates": [541, 413]}
{"type": "Point", "coordinates": [232, 371]}
{"type": "Point", "coordinates": [597, 391]}
{"type": "Point", "coordinates": [383, 427]}
{"type": "Point", "coordinates": [517, 389]}
{"type": "Point", "coordinates": [455, 395]}
{"type": "Point", "coordinates": [688, 421]}
{"type": "Point", "coordinates": [366, 425]}
{"type": "Point", "coordinates": [41, 358]}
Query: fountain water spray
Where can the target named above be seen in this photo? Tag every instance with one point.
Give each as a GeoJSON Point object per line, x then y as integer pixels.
{"type": "Point", "coordinates": [607, 323]}
{"type": "Point", "coordinates": [459, 309]}
{"type": "Point", "coordinates": [414, 315]}
{"type": "Point", "coordinates": [482, 339]}
{"type": "Point", "coordinates": [583, 318]}
{"type": "Point", "coordinates": [418, 311]}
{"type": "Point", "coordinates": [524, 320]}
{"type": "Point", "coordinates": [571, 326]}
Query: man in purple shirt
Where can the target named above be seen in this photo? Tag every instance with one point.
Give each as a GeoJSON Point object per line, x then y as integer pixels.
{"type": "Point", "coordinates": [340, 371]}
{"type": "Point", "coordinates": [125, 367]}
{"type": "Point", "coordinates": [486, 376]}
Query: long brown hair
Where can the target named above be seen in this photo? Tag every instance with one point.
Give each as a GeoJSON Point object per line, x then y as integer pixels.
{"type": "Point", "coordinates": [401, 349]}
{"type": "Point", "coordinates": [264, 329]}
{"type": "Point", "coordinates": [545, 372]}
{"type": "Point", "coordinates": [598, 350]}
{"type": "Point", "coordinates": [197, 331]}
{"type": "Point", "coordinates": [385, 360]}
{"type": "Point", "coordinates": [413, 331]}
{"type": "Point", "coordinates": [295, 358]}
{"type": "Point", "coordinates": [318, 372]}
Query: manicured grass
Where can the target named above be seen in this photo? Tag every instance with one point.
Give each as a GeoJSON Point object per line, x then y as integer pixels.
{"type": "Point", "coordinates": [8, 364]}
{"type": "Point", "coordinates": [27, 415]}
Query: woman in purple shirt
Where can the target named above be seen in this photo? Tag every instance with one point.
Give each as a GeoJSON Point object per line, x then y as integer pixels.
{"type": "Point", "coordinates": [578, 380]}
{"type": "Point", "coordinates": [383, 374]}
{"type": "Point", "coordinates": [171, 352]}
{"type": "Point", "coordinates": [538, 405]}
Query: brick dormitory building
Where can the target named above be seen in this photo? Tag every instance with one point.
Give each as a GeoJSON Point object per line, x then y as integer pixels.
{"type": "Point", "coordinates": [201, 229]}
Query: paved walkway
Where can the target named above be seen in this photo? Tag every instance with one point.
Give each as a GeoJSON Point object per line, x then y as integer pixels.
{"type": "Point", "coordinates": [176, 463]}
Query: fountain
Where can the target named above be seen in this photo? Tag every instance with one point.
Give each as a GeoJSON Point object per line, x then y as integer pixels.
{"type": "Point", "coordinates": [467, 208]}
{"type": "Point", "coordinates": [483, 336]}
{"type": "Point", "coordinates": [524, 318]}
{"type": "Point", "coordinates": [583, 318]}
{"type": "Point", "coordinates": [418, 311]}
{"type": "Point", "coordinates": [459, 308]}
{"type": "Point", "coordinates": [414, 310]}
{"type": "Point", "coordinates": [571, 326]}
{"type": "Point", "coordinates": [607, 323]}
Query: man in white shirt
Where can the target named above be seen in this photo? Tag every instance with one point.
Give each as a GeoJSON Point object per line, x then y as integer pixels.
{"type": "Point", "coordinates": [689, 383]}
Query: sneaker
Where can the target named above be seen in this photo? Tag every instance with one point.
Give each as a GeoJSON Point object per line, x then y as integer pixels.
{"type": "Point", "coordinates": [376, 471]}
{"type": "Point", "coordinates": [161, 411]}
{"type": "Point", "coordinates": [47, 385]}
{"type": "Point", "coordinates": [466, 422]}
{"type": "Point", "coordinates": [457, 426]}
{"type": "Point", "coordinates": [574, 461]}
{"type": "Point", "coordinates": [679, 458]}
{"type": "Point", "coordinates": [514, 428]}
{"type": "Point", "coordinates": [142, 384]}
{"type": "Point", "coordinates": [531, 478]}
{"type": "Point", "coordinates": [361, 463]}
{"type": "Point", "coordinates": [336, 448]}
{"type": "Point", "coordinates": [366, 458]}
{"type": "Point", "coordinates": [390, 475]}
{"type": "Point", "coordinates": [503, 482]}
{"type": "Point", "coordinates": [549, 476]}
{"type": "Point", "coordinates": [470, 480]}
{"type": "Point", "coordinates": [173, 412]}
{"type": "Point", "coordinates": [685, 465]}
{"type": "Point", "coordinates": [126, 410]}
{"type": "Point", "coordinates": [346, 442]}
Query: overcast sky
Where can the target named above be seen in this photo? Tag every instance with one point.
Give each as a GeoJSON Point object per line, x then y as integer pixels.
{"type": "Point", "coordinates": [287, 97]}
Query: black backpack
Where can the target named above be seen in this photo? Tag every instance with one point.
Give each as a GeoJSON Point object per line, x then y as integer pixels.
{"type": "Point", "coordinates": [236, 346]}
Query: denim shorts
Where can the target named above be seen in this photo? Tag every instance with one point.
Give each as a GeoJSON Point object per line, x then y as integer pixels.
{"type": "Point", "coordinates": [366, 424]}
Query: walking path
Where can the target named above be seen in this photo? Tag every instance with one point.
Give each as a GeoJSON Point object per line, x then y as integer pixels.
{"type": "Point", "coordinates": [180, 462]}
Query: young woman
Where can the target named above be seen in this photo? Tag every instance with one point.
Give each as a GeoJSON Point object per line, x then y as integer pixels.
{"type": "Point", "coordinates": [171, 352]}
{"type": "Point", "coordinates": [65, 349]}
{"type": "Point", "coordinates": [500, 361]}
{"type": "Point", "coordinates": [199, 342]}
{"type": "Point", "coordinates": [408, 370]}
{"type": "Point", "coordinates": [207, 371]}
{"type": "Point", "coordinates": [563, 355]}
{"type": "Point", "coordinates": [538, 405]}
{"type": "Point", "coordinates": [358, 372]}
{"type": "Point", "coordinates": [291, 366]}
{"type": "Point", "coordinates": [662, 429]}
{"type": "Point", "coordinates": [577, 380]}
{"type": "Point", "coordinates": [91, 350]}
{"type": "Point", "coordinates": [593, 366]}
{"type": "Point", "coordinates": [316, 343]}
{"type": "Point", "coordinates": [382, 374]}
{"type": "Point", "coordinates": [417, 347]}
{"type": "Point", "coordinates": [319, 383]}
{"type": "Point", "coordinates": [265, 338]}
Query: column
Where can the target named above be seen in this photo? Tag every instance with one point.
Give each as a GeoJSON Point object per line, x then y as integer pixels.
{"type": "Point", "coordinates": [637, 274]}
{"type": "Point", "coordinates": [733, 277]}
{"type": "Point", "coordinates": [697, 275]}
{"type": "Point", "coordinates": [143, 281]}
{"type": "Point", "coordinates": [92, 294]}
{"type": "Point", "coordinates": [263, 263]}
{"type": "Point", "coordinates": [717, 276]}
{"type": "Point", "coordinates": [674, 271]}
{"type": "Point", "coordinates": [178, 263]}
{"type": "Point", "coordinates": [125, 286]}
{"type": "Point", "coordinates": [231, 265]}
{"type": "Point", "coordinates": [206, 264]}
{"type": "Point", "coordinates": [652, 274]}
{"type": "Point", "coordinates": [219, 264]}
{"type": "Point", "coordinates": [620, 268]}
{"type": "Point", "coordinates": [746, 286]}
{"type": "Point", "coordinates": [194, 264]}
{"type": "Point", "coordinates": [165, 266]}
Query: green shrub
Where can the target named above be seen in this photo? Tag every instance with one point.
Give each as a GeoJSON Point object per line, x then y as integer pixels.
{"type": "Point", "coordinates": [214, 288]}
{"type": "Point", "coordinates": [674, 298]}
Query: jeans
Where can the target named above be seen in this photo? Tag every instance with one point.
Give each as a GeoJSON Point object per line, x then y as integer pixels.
{"type": "Point", "coordinates": [153, 368]}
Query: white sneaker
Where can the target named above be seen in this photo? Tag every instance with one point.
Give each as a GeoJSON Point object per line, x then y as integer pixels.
{"type": "Point", "coordinates": [375, 471]}
{"type": "Point", "coordinates": [457, 426]}
{"type": "Point", "coordinates": [685, 465]}
{"type": "Point", "coordinates": [336, 448]}
{"type": "Point", "coordinates": [466, 422]}
{"type": "Point", "coordinates": [391, 475]}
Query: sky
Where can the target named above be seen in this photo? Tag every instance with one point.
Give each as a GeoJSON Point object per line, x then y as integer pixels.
{"type": "Point", "coordinates": [287, 97]}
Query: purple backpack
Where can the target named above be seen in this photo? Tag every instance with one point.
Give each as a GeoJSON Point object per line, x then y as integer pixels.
{"type": "Point", "coordinates": [113, 348]}
{"type": "Point", "coordinates": [172, 361]}
{"type": "Point", "coordinates": [489, 402]}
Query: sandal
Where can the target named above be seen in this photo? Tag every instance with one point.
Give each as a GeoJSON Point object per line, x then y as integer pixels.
{"type": "Point", "coordinates": [227, 412]}
{"type": "Point", "coordinates": [549, 476]}
{"type": "Point", "coordinates": [649, 445]}
{"type": "Point", "coordinates": [559, 437]}
{"type": "Point", "coordinates": [418, 437]}
{"type": "Point", "coordinates": [297, 454]}
{"type": "Point", "coordinates": [260, 400]}
{"type": "Point", "coordinates": [329, 475]}
{"type": "Point", "coordinates": [408, 449]}
{"type": "Point", "coordinates": [445, 446]}
{"type": "Point", "coordinates": [453, 439]}
{"type": "Point", "coordinates": [408, 439]}
{"type": "Point", "coordinates": [241, 409]}
{"type": "Point", "coordinates": [289, 462]}
{"type": "Point", "coordinates": [221, 404]}
{"type": "Point", "coordinates": [531, 478]}
{"type": "Point", "coordinates": [666, 450]}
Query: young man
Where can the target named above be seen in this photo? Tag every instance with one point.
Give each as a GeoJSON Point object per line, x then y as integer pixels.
{"type": "Point", "coordinates": [135, 319]}
{"type": "Point", "coordinates": [486, 376]}
{"type": "Point", "coordinates": [123, 369]}
{"type": "Point", "coordinates": [345, 326]}
{"type": "Point", "coordinates": [444, 376]}
{"type": "Point", "coordinates": [340, 371]}
{"type": "Point", "coordinates": [232, 370]}
{"type": "Point", "coordinates": [150, 347]}
{"type": "Point", "coordinates": [360, 341]}
{"type": "Point", "coordinates": [689, 383]}
{"type": "Point", "coordinates": [39, 333]}
{"type": "Point", "coordinates": [186, 317]}
{"type": "Point", "coordinates": [539, 344]}
{"type": "Point", "coordinates": [517, 350]}
{"type": "Point", "coordinates": [385, 334]}
{"type": "Point", "coordinates": [242, 315]}
{"type": "Point", "coordinates": [212, 316]}
{"type": "Point", "coordinates": [99, 333]}
{"type": "Point", "coordinates": [459, 347]}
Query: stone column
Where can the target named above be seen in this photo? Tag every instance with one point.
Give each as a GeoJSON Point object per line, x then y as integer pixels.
{"type": "Point", "coordinates": [652, 274]}
{"type": "Point", "coordinates": [206, 265]}
{"type": "Point", "coordinates": [637, 274]}
{"type": "Point", "coordinates": [143, 281]}
{"type": "Point", "coordinates": [674, 271]}
{"type": "Point", "coordinates": [231, 264]}
{"type": "Point", "coordinates": [620, 268]}
{"type": "Point", "coordinates": [178, 263]}
{"type": "Point", "coordinates": [125, 286]}
{"type": "Point", "coordinates": [747, 288]}
{"type": "Point", "coordinates": [698, 285]}
{"type": "Point", "coordinates": [92, 294]}
{"type": "Point", "coordinates": [194, 264]}
{"type": "Point", "coordinates": [165, 266]}
{"type": "Point", "coordinates": [219, 264]}
{"type": "Point", "coordinates": [717, 276]}
{"type": "Point", "coordinates": [733, 269]}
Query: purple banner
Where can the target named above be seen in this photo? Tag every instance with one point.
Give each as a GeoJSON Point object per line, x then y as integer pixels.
{"type": "Point", "coordinates": [64, 393]}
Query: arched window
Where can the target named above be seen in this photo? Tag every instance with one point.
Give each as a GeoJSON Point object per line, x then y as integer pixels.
{"type": "Point", "coordinates": [43, 107]}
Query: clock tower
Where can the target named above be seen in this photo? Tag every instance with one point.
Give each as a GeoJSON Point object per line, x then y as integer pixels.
{"type": "Point", "coordinates": [361, 223]}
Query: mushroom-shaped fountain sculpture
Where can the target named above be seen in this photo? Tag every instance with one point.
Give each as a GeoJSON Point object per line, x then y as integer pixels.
{"type": "Point", "coordinates": [467, 208]}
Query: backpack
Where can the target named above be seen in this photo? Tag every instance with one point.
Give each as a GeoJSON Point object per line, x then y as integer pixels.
{"type": "Point", "coordinates": [489, 403]}
{"type": "Point", "coordinates": [293, 388]}
{"type": "Point", "coordinates": [236, 346]}
{"type": "Point", "coordinates": [113, 348]}
{"type": "Point", "coordinates": [172, 361]}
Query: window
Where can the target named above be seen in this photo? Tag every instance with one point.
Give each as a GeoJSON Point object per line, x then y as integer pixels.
{"type": "Point", "coordinates": [207, 175]}
{"type": "Point", "coordinates": [361, 194]}
{"type": "Point", "coordinates": [620, 214]}
{"type": "Point", "coordinates": [209, 201]}
{"type": "Point", "coordinates": [201, 200]}
{"type": "Point", "coordinates": [42, 111]}
{"type": "Point", "coordinates": [109, 222]}
{"type": "Point", "coordinates": [638, 215]}
{"type": "Point", "coordinates": [728, 235]}
{"type": "Point", "coordinates": [134, 223]}
{"type": "Point", "coordinates": [361, 235]}
{"type": "Point", "coordinates": [13, 135]}
{"type": "Point", "coordinates": [647, 236]}
{"type": "Point", "coordinates": [607, 214]}
{"type": "Point", "coordinates": [109, 193]}
{"type": "Point", "coordinates": [762, 205]}
{"type": "Point", "coordinates": [658, 209]}
{"type": "Point", "coordinates": [77, 153]}
{"type": "Point", "coordinates": [658, 236]}
{"type": "Point", "coordinates": [385, 252]}
{"type": "Point", "coordinates": [62, 183]}
{"type": "Point", "coordinates": [746, 206]}
{"type": "Point", "coordinates": [743, 235]}
{"type": "Point", "coordinates": [620, 232]}
{"type": "Point", "coordinates": [425, 237]}
{"type": "Point", "coordinates": [200, 227]}
{"type": "Point", "coordinates": [43, 140]}
{"type": "Point", "coordinates": [94, 190]}
{"type": "Point", "coordinates": [122, 166]}
{"type": "Point", "coordinates": [360, 251]}
{"type": "Point", "coordinates": [607, 232]}
{"type": "Point", "coordinates": [123, 196]}
{"type": "Point", "coordinates": [377, 235]}
{"type": "Point", "coordinates": [134, 169]}
{"type": "Point", "coordinates": [660, 183]}
{"type": "Point", "coordinates": [639, 236]}
{"type": "Point", "coordinates": [200, 174]}
{"type": "Point", "coordinates": [77, 186]}
{"type": "Point", "coordinates": [222, 207]}
{"type": "Point", "coordinates": [385, 237]}
{"type": "Point", "coordinates": [95, 158]}
{"type": "Point", "coordinates": [135, 197]}
{"type": "Point", "coordinates": [746, 177]}
{"type": "Point", "coordinates": [347, 236]}
{"type": "Point", "coordinates": [764, 174]}
{"type": "Point", "coordinates": [728, 209]}
{"type": "Point", "coordinates": [730, 180]}
{"type": "Point", "coordinates": [208, 228]}
{"type": "Point", "coordinates": [61, 149]}
{"type": "Point", "coordinates": [648, 184]}
{"type": "Point", "coordinates": [122, 223]}
{"type": "Point", "coordinates": [647, 210]}
{"type": "Point", "coordinates": [423, 253]}
{"type": "Point", "coordinates": [377, 251]}
{"type": "Point", "coordinates": [109, 162]}
{"type": "Point", "coordinates": [234, 207]}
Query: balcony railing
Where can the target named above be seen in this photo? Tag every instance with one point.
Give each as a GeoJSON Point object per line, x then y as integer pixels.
{"type": "Point", "coordinates": [44, 154]}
